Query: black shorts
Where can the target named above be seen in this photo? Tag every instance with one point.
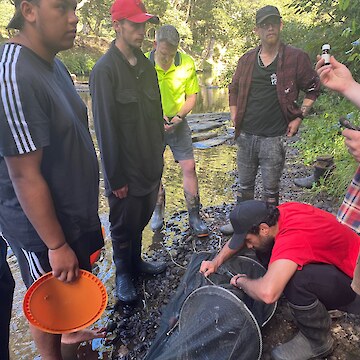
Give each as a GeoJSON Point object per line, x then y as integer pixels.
{"type": "Point", "coordinates": [34, 264]}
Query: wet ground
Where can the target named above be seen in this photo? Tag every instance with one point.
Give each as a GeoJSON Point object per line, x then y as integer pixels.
{"type": "Point", "coordinates": [134, 328]}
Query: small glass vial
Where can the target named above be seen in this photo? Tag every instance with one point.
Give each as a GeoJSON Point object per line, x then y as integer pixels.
{"type": "Point", "coordinates": [325, 54]}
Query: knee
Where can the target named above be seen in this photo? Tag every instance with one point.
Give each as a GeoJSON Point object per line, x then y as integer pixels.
{"type": "Point", "coordinates": [188, 169]}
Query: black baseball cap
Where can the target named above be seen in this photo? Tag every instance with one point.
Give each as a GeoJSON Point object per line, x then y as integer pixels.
{"type": "Point", "coordinates": [17, 20]}
{"type": "Point", "coordinates": [266, 12]}
{"type": "Point", "coordinates": [245, 215]}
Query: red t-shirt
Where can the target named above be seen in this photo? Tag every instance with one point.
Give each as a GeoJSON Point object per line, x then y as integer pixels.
{"type": "Point", "coordinates": [310, 235]}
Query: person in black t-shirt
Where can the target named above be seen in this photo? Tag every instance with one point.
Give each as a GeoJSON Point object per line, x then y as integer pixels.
{"type": "Point", "coordinates": [263, 108]}
{"type": "Point", "coordinates": [49, 175]}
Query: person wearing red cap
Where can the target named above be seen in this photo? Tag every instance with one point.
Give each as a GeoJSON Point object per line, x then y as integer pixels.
{"type": "Point", "coordinates": [311, 261]}
{"type": "Point", "coordinates": [49, 173]}
{"type": "Point", "coordinates": [263, 98]}
{"type": "Point", "coordinates": [129, 128]}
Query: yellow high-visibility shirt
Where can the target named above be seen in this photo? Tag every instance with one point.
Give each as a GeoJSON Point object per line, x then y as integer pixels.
{"type": "Point", "coordinates": [179, 81]}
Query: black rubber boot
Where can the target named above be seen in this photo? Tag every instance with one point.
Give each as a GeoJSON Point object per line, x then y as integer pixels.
{"type": "Point", "coordinates": [157, 219]}
{"type": "Point", "coordinates": [144, 267]}
{"type": "Point", "coordinates": [228, 229]}
{"type": "Point", "coordinates": [197, 225]}
{"type": "Point", "coordinates": [314, 338]}
{"type": "Point", "coordinates": [322, 167]}
{"type": "Point", "coordinates": [125, 288]}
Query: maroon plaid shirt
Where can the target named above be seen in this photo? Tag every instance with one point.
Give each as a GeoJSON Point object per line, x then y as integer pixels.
{"type": "Point", "coordinates": [349, 214]}
{"type": "Point", "coordinates": [349, 211]}
{"type": "Point", "coordinates": [294, 73]}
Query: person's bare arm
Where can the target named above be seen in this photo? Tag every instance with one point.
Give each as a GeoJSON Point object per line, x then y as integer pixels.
{"type": "Point", "coordinates": [36, 201]}
{"type": "Point", "coordinates": [209, 267]}
{"type": "Point", "coordinates": [185, 109]}
{"type": "Point", "coordinates": [352, 142]}
{"type": "Point", "coordinates": [337, 77]}
{"type": "Point", "coordinates": [270, 287]}
{"type": "Point", "coordinates": [294, 125]}
{"type": "Point", "coordinates": [233, 109]}
{"type": "Point", "coordinates": [306, 106]}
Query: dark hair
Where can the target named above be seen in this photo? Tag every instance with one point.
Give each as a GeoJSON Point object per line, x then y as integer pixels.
{"type": "Point", "coordinates": [271, 219]}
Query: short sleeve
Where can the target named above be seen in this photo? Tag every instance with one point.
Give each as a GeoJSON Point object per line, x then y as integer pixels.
{"type": "Point", "coordinates": [24, 125]}
{"type": "Point", "coordinates": [292, 247]}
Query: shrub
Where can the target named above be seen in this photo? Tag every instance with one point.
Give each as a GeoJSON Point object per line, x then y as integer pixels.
{"type": "Point", "coordinates": [321, 134]}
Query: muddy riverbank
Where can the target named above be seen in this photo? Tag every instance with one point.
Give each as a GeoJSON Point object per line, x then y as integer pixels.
{"type": "Point", "coordinates": [134, 328]}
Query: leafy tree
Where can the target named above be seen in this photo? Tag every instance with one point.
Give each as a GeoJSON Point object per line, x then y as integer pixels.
{"type": "Point", "coordinates": [335, 22]}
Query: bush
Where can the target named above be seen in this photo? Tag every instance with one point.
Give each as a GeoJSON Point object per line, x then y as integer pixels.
{"type": "Point", "coordinates": [82, 57]}
{"type": "Point", "coordinates": [321, 134]}
{"type": "Point", "coordinates": [79, 61]}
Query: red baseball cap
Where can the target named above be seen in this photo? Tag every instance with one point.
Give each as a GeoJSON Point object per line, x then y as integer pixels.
{"type": "Point", "coordinates": [132, 10]}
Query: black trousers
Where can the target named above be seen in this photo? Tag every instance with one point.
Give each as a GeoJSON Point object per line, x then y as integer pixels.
{"type": "Point", "coordinates": [129, 216]}
{"type": "Point", "coordinates": [7, 285]}
{"type": "Point", "coordinates": [320, 281]}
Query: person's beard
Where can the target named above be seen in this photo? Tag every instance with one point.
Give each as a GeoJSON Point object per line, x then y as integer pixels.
{"type": "Point", "coordinates": [263, 253]}
{"type": "Point", "coordinates": [266, 245]}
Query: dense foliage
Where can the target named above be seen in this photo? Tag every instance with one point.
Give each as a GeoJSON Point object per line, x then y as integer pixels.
{"type": "Point", "coordinates": [321, 134]}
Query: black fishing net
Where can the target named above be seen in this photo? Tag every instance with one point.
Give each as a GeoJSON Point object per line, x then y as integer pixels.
{"type": "Point", "coordinates": [209, 319]}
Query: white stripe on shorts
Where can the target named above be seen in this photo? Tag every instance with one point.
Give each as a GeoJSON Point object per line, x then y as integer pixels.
{"type": "Point", "coordinates": [36, 270]}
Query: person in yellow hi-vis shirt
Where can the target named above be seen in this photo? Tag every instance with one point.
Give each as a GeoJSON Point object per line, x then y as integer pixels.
{"type": "Point", "coordinates": [178, 87]}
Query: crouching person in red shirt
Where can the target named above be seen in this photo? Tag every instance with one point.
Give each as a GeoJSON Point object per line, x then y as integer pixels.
{"type": "Point", "coordinates": [312, 258]}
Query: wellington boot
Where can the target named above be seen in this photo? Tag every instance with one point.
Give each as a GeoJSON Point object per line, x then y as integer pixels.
{"type": "Point", "coordinates": [197, 225]}
{"type": "Point", "coordinates": [299, 348]}
{"type": "Point", "coordinates": [125, 288]}
{"type": "Point", "coordinates": [150, 267]}
{"type": "Point", "coordinates": [322, 168]}
{"type": "Point", "coordinates": [314, 339]}
{"type": "Point", "coordinates": [141, 266]}
{"type": "Point", "coordinates": [228, 229]}
{"type": "Point", "coordinates": [157, 219]}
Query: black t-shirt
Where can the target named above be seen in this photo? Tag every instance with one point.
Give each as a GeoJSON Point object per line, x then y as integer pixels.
{"type": "Point", "coordinates": [263, 114]}
{"type": "Point", "coordinates": [40, 109]}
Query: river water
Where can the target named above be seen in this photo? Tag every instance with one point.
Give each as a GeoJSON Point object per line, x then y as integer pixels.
{"type": "Point", "coordinates": [215, 168]}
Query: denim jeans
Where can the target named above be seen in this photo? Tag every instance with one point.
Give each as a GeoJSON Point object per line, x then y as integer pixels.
{"type": "Point", "coordinates": [268, 153]}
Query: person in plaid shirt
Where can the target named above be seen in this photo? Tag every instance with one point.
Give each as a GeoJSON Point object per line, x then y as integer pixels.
{"type": "Point", "coordinates": [263, 98]}
{"type": "Point", "coordinates": [337, 76]}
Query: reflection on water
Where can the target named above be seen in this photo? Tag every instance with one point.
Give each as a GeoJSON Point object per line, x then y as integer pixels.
{"type": "Point", "coordinates": [214, 168]}
{"type": "Point", "coordinates": [211, 100]}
